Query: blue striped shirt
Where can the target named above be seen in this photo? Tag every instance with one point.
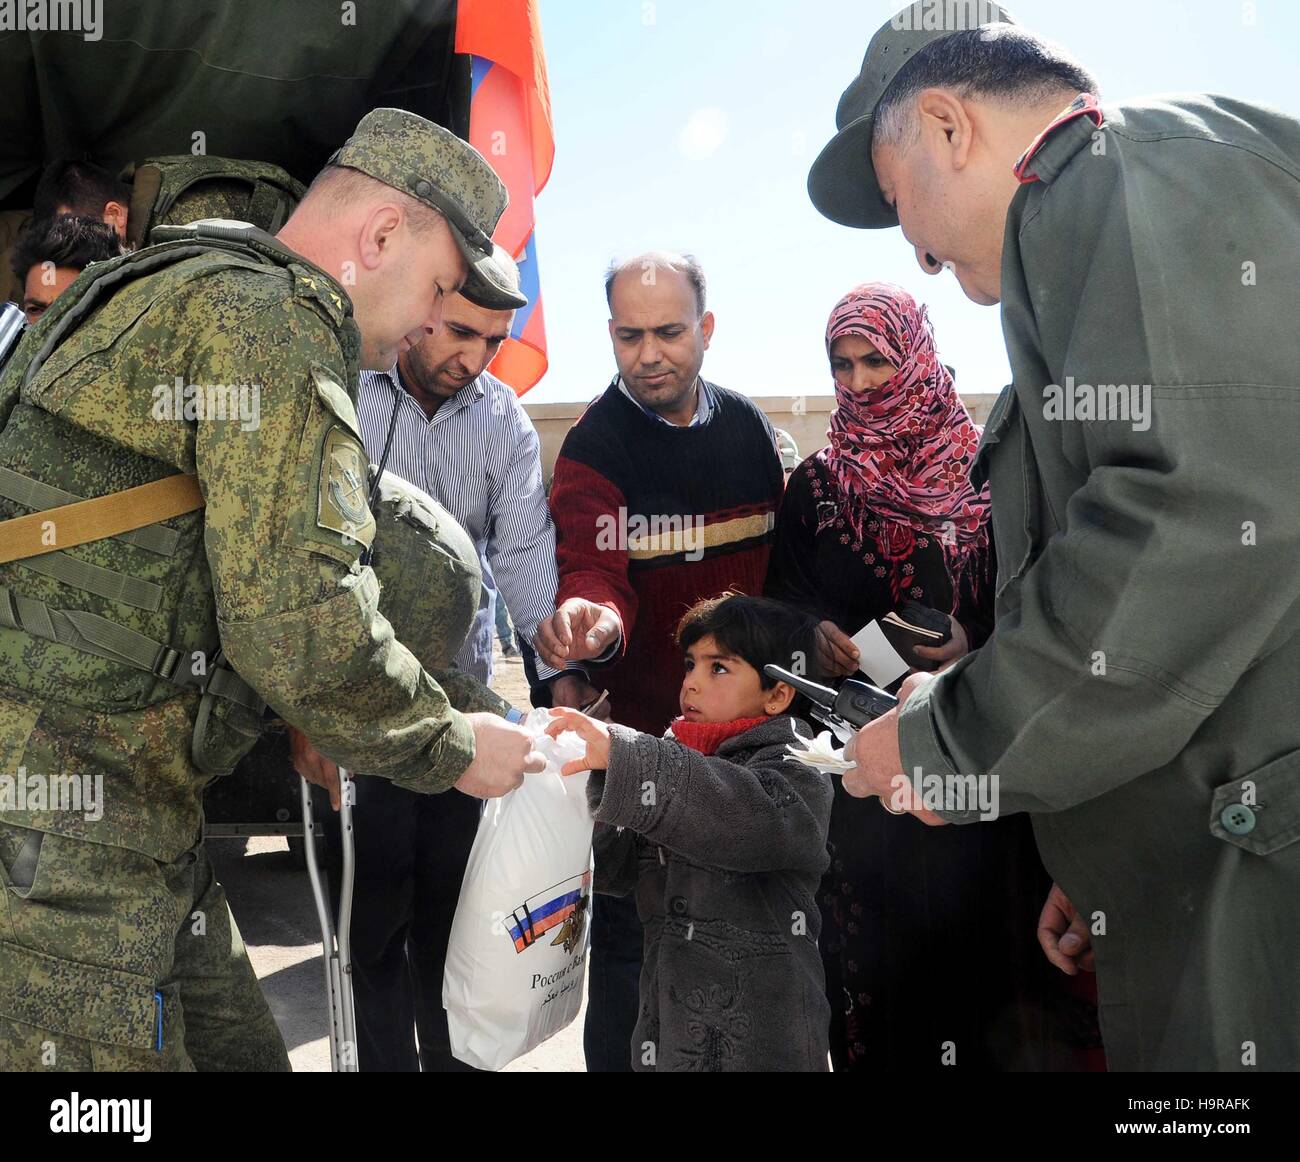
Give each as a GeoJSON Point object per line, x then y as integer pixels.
{"type": "Point", "coordinates": [479, 457]}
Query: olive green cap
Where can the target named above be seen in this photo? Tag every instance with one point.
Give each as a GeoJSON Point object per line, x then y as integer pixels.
{"type": "Point", "coordinates": [842, 182]}
{"type": "Point", "coordinates": [434, 166]}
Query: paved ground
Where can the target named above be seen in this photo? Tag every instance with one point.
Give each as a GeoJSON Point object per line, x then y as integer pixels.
{"type": "Point", "coordinates": [271, 898]}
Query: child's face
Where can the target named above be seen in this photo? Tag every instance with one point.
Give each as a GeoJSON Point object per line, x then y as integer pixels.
{"type": "Point", "coordinates": [719, 687]}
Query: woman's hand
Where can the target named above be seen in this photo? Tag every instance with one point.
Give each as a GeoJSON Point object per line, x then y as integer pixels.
{"type": "Point", "coordinates": [595, 734]}
{"type": "Point", "coordinates": [955, 647]}
{"type": "Point", "coordinates": [836, 654]}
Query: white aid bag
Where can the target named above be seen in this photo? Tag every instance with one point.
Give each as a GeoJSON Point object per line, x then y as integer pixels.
{"type": "Point", "coordinates": [517, 953]}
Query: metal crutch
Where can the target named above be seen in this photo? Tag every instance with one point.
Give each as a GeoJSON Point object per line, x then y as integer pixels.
{"type": "Point", "coordinates": [336, 946]}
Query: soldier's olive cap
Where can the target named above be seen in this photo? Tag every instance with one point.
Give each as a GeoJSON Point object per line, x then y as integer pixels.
{"type": "Point", "coordinates": [842, 182]}
{"type": "Point", "coordinates": [433, 165]}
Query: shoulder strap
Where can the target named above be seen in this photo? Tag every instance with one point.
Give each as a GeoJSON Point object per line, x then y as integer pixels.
{"type": "Point", "coordinates": [144, 193]}
{"type": "Point", "coordinates": [103, 516]}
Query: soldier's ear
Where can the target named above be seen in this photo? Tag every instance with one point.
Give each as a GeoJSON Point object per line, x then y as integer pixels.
{"type": "Point", "coordinates": [115, 215]}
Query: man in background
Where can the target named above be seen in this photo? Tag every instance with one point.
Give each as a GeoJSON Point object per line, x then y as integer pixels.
{"type": "Point", "coordinates": [439, 419]}
{"type": "Point", "coordinates": [665, 493]}
{"type": "Point", "coordinates": [51, 252]}
{"type": "Point", "coordinates": [168, 191]}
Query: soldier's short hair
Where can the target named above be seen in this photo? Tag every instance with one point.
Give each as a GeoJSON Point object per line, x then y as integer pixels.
{"type": "Point", "coordinates": [64, 240]}
{"type": "Point", "coordinates": [78, 187]}
{"type": "Point", "coordinates": [343, 186]}
{"type": "Point", "coordinates": [997, 60]}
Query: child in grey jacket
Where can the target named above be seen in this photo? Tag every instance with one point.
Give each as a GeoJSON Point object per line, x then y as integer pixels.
{"type": "Point", "coordinates": [723, 837]}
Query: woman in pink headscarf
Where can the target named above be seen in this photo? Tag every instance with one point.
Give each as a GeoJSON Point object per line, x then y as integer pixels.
{"type": "Point", "coordinates": [928, 934]}
{"type": "Point", "coordinates": [886, 512]}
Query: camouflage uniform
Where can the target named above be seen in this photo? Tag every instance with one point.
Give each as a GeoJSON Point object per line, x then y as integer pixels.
{"type": "Point", "coordinates": [117, 949]}
{"type": "Point", "coordinates": [174, 190]}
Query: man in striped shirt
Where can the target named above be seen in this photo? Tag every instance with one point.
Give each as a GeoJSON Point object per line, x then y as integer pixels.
{"type": "Point", "coordinates": [457, 432]}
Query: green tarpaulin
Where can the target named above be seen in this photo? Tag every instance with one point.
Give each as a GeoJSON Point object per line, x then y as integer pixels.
{"type": "Point", "coordinates": [278, 80]}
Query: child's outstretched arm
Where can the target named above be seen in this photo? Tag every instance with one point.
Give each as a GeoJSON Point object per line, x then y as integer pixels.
{"type": "Point", "coordinates": [770, 814]}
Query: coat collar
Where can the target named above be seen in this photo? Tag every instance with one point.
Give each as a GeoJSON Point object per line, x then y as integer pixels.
{"type": "Point", "coordinates": [1060, 141]}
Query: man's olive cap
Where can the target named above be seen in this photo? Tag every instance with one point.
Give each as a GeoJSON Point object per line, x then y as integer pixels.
{"type": "Point", "coordinates": [842, 182]}
{"type": "Point", "coordinates": [433, 165]}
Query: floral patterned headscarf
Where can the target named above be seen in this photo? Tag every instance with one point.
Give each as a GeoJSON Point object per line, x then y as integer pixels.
{"type": "Point", "coordinates": [901, 453]}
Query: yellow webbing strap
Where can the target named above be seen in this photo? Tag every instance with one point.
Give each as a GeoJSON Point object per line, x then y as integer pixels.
{"type": "Point", "coordinates": [102, 516]}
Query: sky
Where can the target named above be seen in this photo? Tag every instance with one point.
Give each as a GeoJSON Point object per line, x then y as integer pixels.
{"type": "Point", "coordinates": [690, 125]}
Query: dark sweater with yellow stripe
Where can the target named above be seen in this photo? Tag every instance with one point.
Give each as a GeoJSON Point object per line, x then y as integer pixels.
{"type": "Point", "coordinates": [651, 518]}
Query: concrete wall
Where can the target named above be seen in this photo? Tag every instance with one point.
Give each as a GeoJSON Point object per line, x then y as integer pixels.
{"type": "Point", "coordinates": [804, 417]}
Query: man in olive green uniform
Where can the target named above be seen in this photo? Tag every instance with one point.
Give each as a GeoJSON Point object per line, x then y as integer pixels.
{"type": "Point", "coordinates": [1138, 695]}
{"type": "Point", "coordinates": [234, 361]}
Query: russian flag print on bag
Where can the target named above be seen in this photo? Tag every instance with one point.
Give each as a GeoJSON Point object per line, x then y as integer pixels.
{"type": "Point", "coordinates": [565, 904]}
{"type": "Point", "coordinates": [517, 955]}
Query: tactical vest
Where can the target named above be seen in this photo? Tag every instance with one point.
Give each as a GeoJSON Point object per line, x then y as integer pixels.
{"type": "Point", "coordinates": [75, 628]}
{"type": "Point", "coordinates": [174, 190]}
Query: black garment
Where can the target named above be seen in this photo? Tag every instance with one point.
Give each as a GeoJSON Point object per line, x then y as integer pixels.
{"type": "Point", "coordinates": [613, 981]}
{"type": "Point", "coordinates": [928, 934]}
{"type": "Point", "coordinates": [411, 852]}
{"type": "Point", "coordinates": [834, 577]}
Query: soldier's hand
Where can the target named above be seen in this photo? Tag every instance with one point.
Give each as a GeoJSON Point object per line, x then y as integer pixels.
{"type": "Point", "coordinates": [578, 631]}
{"type": "Point", "coordinates": [503, 754]}
{"type": "Point", "coordinates": [1063, 935]}
{"type": "Point", "coordinates": [314, 766]}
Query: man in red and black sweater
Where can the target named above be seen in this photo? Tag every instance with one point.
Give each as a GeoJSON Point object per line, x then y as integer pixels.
{"type": "Point", "coordinates": [665, 493]}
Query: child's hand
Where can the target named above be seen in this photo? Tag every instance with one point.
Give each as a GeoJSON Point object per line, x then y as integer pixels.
{"type": "Point", "coordinates": [595, 734]}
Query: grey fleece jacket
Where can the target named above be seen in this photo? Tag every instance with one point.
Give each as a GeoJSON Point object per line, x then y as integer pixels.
{"type": "Point", "coordinates": [725, 853]}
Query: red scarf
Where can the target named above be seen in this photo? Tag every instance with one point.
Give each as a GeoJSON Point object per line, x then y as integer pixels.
{"type": "Point", "coordinates": [902, 452]}
{"type": "Point", "coordinates": [706, 737]}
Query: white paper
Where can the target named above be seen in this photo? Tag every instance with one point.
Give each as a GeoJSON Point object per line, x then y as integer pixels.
{"type": "Point", "coordinates": [877, 658]}
{"type": "Point", "coordinates": [821, 753]}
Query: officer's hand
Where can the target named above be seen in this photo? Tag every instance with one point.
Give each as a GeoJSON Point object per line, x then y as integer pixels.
{"type": "Point", "coordinates": [503, 754]}
{"type": "Point", "coordinates": [879, 770]}
{"type": "Point", "coordinates": [578, 631]}
{"type": "Point", "coordinates": [312, 765]}
{"type": "Point", "coordinates": [955, 647]}
{"type": "Point", "coordinates": [572, 689]}
{"type": "Point", "coordinates": [1063, 935]}
{"type": "Point", "coordinates": [836, 653]}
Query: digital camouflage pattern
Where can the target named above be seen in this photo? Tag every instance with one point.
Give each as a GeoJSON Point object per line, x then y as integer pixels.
{"type": "Point", "coordinates": [76, 995]}
{"type": "Point", "coordinates": [430, 581]}
{"type": "Point", "coordinates": [175, 190]}
{"type": "Point", "coordinates": [447, 177]}
{"type": "Point", "coordinates": [259, 572]}
{"type": "Point", "coordinates": [234, 360]}
{"type": "Point", "coordinates": [384, 143]}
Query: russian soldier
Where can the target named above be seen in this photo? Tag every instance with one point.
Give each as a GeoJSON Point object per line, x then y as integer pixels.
{"type": "Point", "coordinates": [199, 395]}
